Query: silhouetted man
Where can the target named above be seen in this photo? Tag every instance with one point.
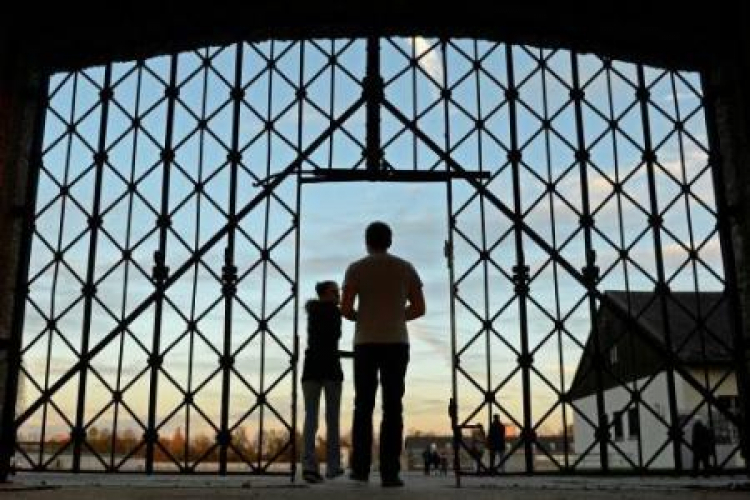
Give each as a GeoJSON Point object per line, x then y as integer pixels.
{"type": "Point", "coordinates": [496, 443]}
{"type": "Point", "coordinates": [703, 447]}
{"type": "Point", "coordinates": [388, 293]}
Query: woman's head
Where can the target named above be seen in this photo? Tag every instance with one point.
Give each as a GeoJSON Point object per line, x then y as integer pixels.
{"type": "Point", "coordinates": [328, 291]}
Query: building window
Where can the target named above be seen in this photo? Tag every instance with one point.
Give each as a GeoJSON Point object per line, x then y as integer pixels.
{"type": "Point", "coordinates": [613, 355]}
{"type": "Point", "coordinates": [617, 417]}
{"type": "Point", "coordinates": [634, 424]}
{"type": "Point", "coordinates": [724, 431]}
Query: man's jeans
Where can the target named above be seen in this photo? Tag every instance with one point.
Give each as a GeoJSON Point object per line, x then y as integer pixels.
{"type": "Point", "coordinates": [332, 391]}
{"type": "Point", "coordinates": [390, 361]}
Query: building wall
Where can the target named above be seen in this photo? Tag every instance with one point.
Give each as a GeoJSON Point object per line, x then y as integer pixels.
{"type": "Point", "coordinates": [653, 432]}
{"type": "Point", "coordinates": [688, 398]}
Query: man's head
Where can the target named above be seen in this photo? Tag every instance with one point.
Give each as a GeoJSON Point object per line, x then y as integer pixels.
{"type": "Point", "coordinates": [378, 237]}
{"type": "Point", "coordinates": [497, 417]}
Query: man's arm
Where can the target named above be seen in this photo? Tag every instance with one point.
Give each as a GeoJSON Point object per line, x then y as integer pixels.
{"type": "Point", "coordinates": [416, 307]}
{"type": "Point", "coordinates": [347, 303]}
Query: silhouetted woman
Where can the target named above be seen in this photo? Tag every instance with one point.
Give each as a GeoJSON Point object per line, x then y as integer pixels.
{"type": "Point", "coordinates": [322, 373]}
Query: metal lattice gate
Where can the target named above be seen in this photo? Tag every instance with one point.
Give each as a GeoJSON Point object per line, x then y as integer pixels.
{"type": "Point", "coordinates": [588, 283]}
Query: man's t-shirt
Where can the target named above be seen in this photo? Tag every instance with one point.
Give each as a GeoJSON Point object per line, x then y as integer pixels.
{"type": "Point", "coordinates": [382, 282]}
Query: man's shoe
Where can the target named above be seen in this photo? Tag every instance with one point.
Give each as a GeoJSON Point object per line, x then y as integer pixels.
{"type": "Point", "coordinates": [392, 482]}
{"type": "Point", "coordinates": [312, 476]}
{"type": "Point", "coordinates": [334, 473]}
{"type": "Point", "coordinates": [361, 478]}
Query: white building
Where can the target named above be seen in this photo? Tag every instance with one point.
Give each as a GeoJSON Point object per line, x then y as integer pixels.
{"type": "Point", "coordinates": [638, 427]}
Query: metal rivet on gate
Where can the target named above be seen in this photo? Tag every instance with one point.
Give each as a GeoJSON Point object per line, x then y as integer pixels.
{"type": "Point", "coordinates": [171, 91]}
{"type": "Point", "coordinates": [106, 94]}
{"type": "Point", "coordinates": [155, 360]}
{"type": "Point", "coordinates": [164, 221]}
{"type": "Point", "coordinates": [100, 157]}
{"type": "Point", "coordinates": [94, 221]}
{"type": "Point", "coordinates": [648, 156]}
{"type": "Point", "coordinates": [655, 220]}
{"type": "Point", "coordinates": [514, 155]}
{"type": "Point", "coordinates": [234, 156]}
{"type": "Point", "coordinates": [237, 93]}
{"type": "Point", "coordinates": [167, 154]}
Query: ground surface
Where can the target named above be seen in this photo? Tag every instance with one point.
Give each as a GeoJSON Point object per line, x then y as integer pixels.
{"type": "Point", "coordinates": [103, 487]}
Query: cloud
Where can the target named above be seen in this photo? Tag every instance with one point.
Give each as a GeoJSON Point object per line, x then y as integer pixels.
{"type": "Point", "coordinates": [436, 340]}
{"type": "Point", "coordinates": [429, 60]}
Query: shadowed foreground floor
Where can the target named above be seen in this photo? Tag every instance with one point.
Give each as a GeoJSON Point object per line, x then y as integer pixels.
{"type": "Point", "coordinates": [103, 487]}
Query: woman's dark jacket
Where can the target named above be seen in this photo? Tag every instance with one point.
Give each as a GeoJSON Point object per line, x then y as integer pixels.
{"type": "Point", "coordinates": [322, 361]}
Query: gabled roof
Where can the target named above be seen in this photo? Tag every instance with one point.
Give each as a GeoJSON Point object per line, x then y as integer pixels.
{"type": "Point", "coordinates": [699, 326]}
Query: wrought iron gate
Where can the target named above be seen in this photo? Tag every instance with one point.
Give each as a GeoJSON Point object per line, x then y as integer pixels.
{"type": "Point", "coordinates": [160, 329]}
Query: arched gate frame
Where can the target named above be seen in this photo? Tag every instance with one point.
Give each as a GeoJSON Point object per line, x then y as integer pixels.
{"type": "Point", "coordinates": [580, 196]}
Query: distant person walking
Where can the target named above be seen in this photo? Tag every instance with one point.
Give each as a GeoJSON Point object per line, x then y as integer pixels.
{"type": "Point", "coordinates": [496, 444]}
{"type": "Point", "coordinates": [427, 457]}
{"type": "Point", "coordinates": [444, 462]}
{"type": "Point", "coordinates": [703, 447]}
{"type": "Point", "coordinates": [388, 292]}
{"type": "Point", "coordinates": [478, 443]}
{"type": "Point", "coordinates": [322, 373]}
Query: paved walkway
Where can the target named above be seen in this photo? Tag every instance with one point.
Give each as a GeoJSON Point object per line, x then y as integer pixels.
{"type": "Point", "coordinates": [104, 487]}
